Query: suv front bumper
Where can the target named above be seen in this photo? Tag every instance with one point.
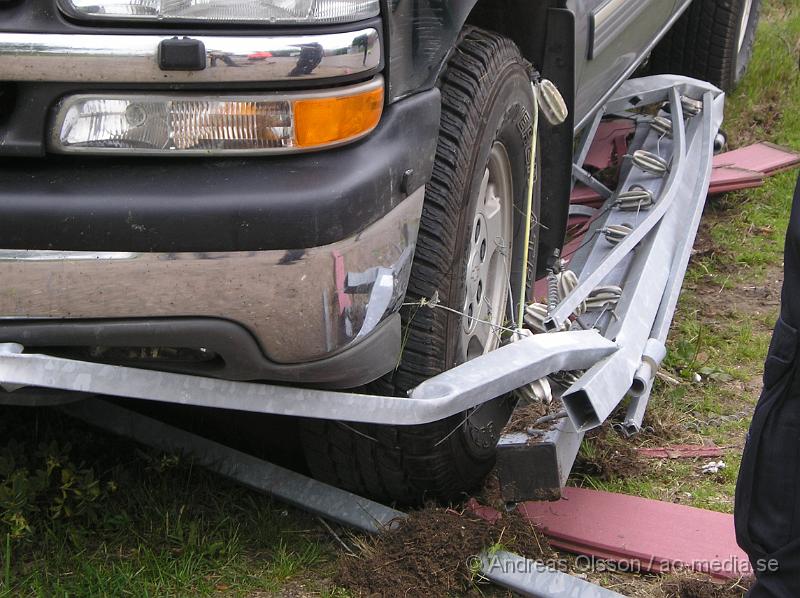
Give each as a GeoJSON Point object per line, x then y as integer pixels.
{"type": "Point", "coordinates": [213, 277]}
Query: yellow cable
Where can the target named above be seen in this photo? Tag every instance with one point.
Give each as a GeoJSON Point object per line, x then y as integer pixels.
{"type": "Point", "coordinates": [529, 208]}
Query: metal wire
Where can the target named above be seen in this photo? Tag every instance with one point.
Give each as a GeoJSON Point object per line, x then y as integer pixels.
{"type": "Point", "coordinates": [529, 205]}
{"type": "Point", "coordinates": [434, 303]}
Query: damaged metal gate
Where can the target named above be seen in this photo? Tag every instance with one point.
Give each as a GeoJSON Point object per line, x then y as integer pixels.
{"type": "Point", "coordinates": [633, 258]}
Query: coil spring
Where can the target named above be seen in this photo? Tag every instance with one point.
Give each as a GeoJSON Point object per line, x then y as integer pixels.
{"type": "Point", "coordinates": [552, 290]}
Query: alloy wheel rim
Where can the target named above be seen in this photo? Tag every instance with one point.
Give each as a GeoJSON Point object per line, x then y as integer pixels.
{"type": "Point", "coordinates": [489, 258]}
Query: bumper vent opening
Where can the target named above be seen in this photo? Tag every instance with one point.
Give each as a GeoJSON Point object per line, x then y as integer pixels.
{"type": "Point", "coordinates": [8, 100]}
{"type": "Point", "coordinates": [152, 357]}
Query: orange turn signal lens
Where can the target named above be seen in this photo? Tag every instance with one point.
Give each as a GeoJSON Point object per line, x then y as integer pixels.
{"type": "Point", "coordinates": [333, 120]}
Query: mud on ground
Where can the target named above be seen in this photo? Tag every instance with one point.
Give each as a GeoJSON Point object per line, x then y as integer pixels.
{"type": "Point", "coordinates": [431, 553]}
{"type": "Point", "coordinates": [526, 414]}
{"type": "Point", "coordinates": [699, 587]}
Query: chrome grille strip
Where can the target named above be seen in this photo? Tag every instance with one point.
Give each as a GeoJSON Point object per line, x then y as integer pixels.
{"type": "Point", "coordinates": [134, 58]}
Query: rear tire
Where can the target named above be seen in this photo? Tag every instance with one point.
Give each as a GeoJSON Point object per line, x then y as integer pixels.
{"type": "Point", "coordinates": [713, 41]}
{"type": "Point", "coordinates": [481, 162]}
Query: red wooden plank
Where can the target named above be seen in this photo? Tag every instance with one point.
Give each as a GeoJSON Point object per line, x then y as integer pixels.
{"type": "Point", "coordinates": [610, 143]}
{"type": "Point", "coordinates": [763, 157]}
{"type": "Point", "coordinates": [644, 534]}
{"type": "Point", "coordinates": [732, 178]}
{"type": "Point", "coordinates": [743, 168]}
{"type": "Point", "coordinates": [586, 196]}
{"type": "Point", "coordinates": [488, 513]}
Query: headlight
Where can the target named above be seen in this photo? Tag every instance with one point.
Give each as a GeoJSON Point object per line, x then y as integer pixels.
{"type": "Point", "coordinates": [261, 11]}
{"type": "Point", "coordinates": [170, 124]}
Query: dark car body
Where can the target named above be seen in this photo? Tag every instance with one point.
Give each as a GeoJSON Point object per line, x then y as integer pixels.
{"type": "Point", "coordinates": [279, 267]}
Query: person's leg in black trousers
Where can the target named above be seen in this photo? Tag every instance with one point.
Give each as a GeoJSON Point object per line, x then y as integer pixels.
{"type": "Point", "coordinates": [767, 510]}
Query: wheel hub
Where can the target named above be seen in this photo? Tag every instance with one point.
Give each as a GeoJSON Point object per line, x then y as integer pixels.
{"type": "Point", "coordinates": [488, 258]}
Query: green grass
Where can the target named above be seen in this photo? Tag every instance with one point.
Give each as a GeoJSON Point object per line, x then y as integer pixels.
{"type": "Point", "coordinates": [730, 298]}
{"type": "Point", "coordinates": [678, 481]}
{"type": "Point", "coordinates": [167, 529]}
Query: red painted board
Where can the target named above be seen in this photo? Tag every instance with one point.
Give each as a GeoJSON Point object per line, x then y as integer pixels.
{"type": "Point", "coordinates": [763, 157]}
{"type": "Point", "coordinates": [732, 178]}
{"type": "Point", "coordinates": [539, 291]}
{"type": "Point", "coordinates": [682, 451]}
{"type": "Point", "coordinates": [585, 196]}
{"type": "Point", "coordinates": [610, 143]}
{"type": "Point", "coordinates": [643, 534]}
{"type": "Point", "coordinates": [723, 179]}
{"type": "Point", "coordinates": [743, 168]}
{"type": "Point", "coordinates": [490, 514]}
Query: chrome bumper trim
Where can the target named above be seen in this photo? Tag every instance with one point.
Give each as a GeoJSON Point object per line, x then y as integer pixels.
{"type": "Point", "coordinates": [301, 305]}
{"type": "Point", "coordinates": [134, 58]}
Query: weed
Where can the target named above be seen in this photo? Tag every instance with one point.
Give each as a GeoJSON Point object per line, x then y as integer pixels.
{"type": "Point", "coordinates": [7, 563]}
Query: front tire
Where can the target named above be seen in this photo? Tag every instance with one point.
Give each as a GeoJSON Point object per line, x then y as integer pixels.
{"type": "Point", "coordinates": [469, 252]}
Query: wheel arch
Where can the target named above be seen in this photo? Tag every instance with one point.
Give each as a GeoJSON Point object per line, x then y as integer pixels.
{"type": "Point", "coordinates": [521, 21]}
{"type": "Point", "coordinates": [421, 36]}
{"type": "Point", "coordinates": [545, 34]}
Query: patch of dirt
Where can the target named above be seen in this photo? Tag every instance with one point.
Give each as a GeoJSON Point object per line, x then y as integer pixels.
{"type": "Point", "coordinates": [704, 246]}
{"type": "Point", "coordinates": [758, 299]}
{"type": "Point", "coordinates": [431, 553]}
{"type": "Point", "coordinates": [295, 589]}
{"type": "Point", "coordinates": [682, 585]}
{"type": "Point", "coordinates": [698, 587]}
{"type": "Point", "coordinates": [490, 493]}
{"type": "Point", "coordinates": [527, 412]}
{"type": "Point", "coordinates": [606, 456]}
{"type": "Point", "coordinates": [752, 300]}
{"type": "Point", "coordinates": [762, 120]}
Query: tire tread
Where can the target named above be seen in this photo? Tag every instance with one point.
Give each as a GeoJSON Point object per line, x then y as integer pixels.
{"type": "Point", "coordinates": [703, 44]}
{"type": "Point", "coordinates": [410, 464]}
